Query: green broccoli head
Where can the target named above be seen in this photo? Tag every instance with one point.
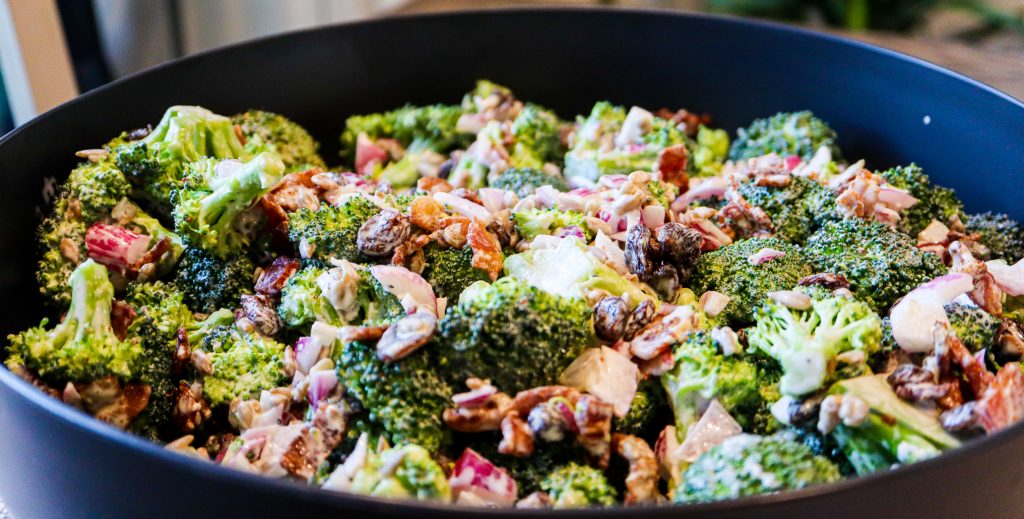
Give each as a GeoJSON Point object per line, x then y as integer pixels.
{"type": "Point", "coordinates": [96, 189]}
{"type": "Point", "coordinates": [63, 246]}
{"type": "Point", "coordinates": [213, 196]}
{"type": "Point", "coordinates": [710, 151]}
{"type": "Point", "coordinates": [402, 472]}
{"type": "Point", "coordinates": [748, 465]}
{"type": "Point", "coordinates": [523, 181]}
{"type": "Point", "coordinates": [806, 342]}
{"type": "Point", "coordinates": [933, 202]}
{"type": "Point", "coordinates": [164, 303]}
{"type": "Point", "coordinates": [417, 128]}
{"type": "Point", "coordinates": [267, 131]}
{"type": "Point", "coordinates": [1003, 235]}
{"type": "Point", "coordinates": [578, 486]}
{"type": "Point", "coordinates": [894, 432]}
{"type": "Point", "coordinates": [882, 265]}
{"type": "Point", "coordinates": [702, 373]}
{"type": "Point", "coordinates": [403, 400]}
{"type": "Point", "coordinates": [648, 412]}
{"type": "Point", "coordinates": [531, 223]}
{"type": "Point", "coordinates": [244, 363]}
{"type": "Point", "coordinates": [611, 141]}
{"type": "Point", "coordinates": [513, 334]}
{"type": "Point", "coordinates": [728, 270]}
{"type": "Point", "coordinates": [156, 164]}
{"type": "Point", "coordinates": [785, 133]}
{"type": "Point", "coordinates": [536, 136]}
{"type": "Point", "coordinates": [209, 283]}
{"type": "Point", "coordinates": [797, 209]}
{"type": "Point", "coordinates": [362, 299]}
{"type": "Point", "coordinates": [83, 347]}
{"type": "Point", "coordinates": [450, 270]}
{"type": "Point", "coordinates": [974, 326]}
{"type": "Point", "coordinates": [155, 369]}
{"type": "Point", "coordinates": [331, 231]}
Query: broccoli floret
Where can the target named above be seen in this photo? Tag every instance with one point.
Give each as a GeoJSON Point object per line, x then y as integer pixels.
{"type": "Point", "coordinates": [578, 486]}
{"type": "Point", "coordinates": [156, 164]}
{"type": "Point", "coordinates": [710, 152]}
{"type": "Point", "coordinates": [1003, 235]}
{"type": "Point", "coordinates": [974, 326]}
{"type": "Point", "coordinates": [410, 473]}
{"type": "Point", "coordinates": [748, 465]}
{"type": "Point", "coordinates": [244, 363]}
{"type": "Point", "coordinates": [785, 133]}
{"type": "Point", "coordinates": [609, 141]}
{"type": "Point", "coordinates": [303, 300]}
{"type": "Point", "coordinates": [419, 128]}
{"type": "Point", "coordinates": [96, 188]}
{"type": "Point", "coordinates": [63, 243]}
{"type": "Point", "coordinates": [164, 303]}
{"type": "Point", "coordinates": [806, 342]}
{"type": "Point", "coordinates": [477, 99]}
{"type": "Point", "coordinates": [450, 270]}
{"type": "Point", "coordinates": [702, 373]}
{"type": "Point", "coordinates": [729, 271]}
{"type": "Point", "coordinates": [155, 369]}
{"type": "Point", "coordinates": [882, 265]}
{"type": "Point", "coordinates": [523, 181]}
{"type": "Point", "coordinates": [894, 431]}
{"type": "Point", "coordinates": [83, 347]}
{"type": "Point", "coordinates": [331, 231]}
{"type": "Point", "coordinates": [213, 196]}
{"type": "Point", "coordinates": [267, 131]}
{"type": "Point", "coordinates": [933, 202]}
{"type": "Point", "coordinates": [210, 283]}
{"type": "Point", "coordinates": [403, 400]}
{"type": "Point", "coordinates": [513, 334]}
{"type": "Point", "coordinates": [797, 209]}
{"type": "Point", "coordinates": [648, 412]}
{"type": "Point", "coordinates": [570, 270]}
{"type": "Point", "coordinates": [535, 134]}
{"type": "Point", "coordinates": [534, 222]}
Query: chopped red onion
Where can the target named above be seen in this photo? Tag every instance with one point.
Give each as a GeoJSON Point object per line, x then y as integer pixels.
{"type": "Point", "coordinates": [792, 162]}
{"type": "Point", "coordinates": [487, 482]}
{"type": "Point", "coordinates": [476, 397]}
{"type": "Point", "coordinates": [114, 246]}
{"type": "Point", "coordinates": [321, 383]}
{"type": "Point", "coordinates": [493, 198]}
{"type": "Point", "coordinates": [763, 255]}
{"type": "Point", "coordinates": [368, 154]}
{"type": "Point", "coordinates": [569, 415]}
{"type": "Point", "coordinates": [571, 230]}
{"type": "Point", "coordinates": [713, 187]}
{"type": "Point", "coordinates": [307, 352]}
{"type": "Point", "coordinates": [612, 181]}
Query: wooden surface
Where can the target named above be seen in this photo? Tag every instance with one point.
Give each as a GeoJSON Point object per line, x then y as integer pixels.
{"type": "Point", "coordinates": [999, 66]}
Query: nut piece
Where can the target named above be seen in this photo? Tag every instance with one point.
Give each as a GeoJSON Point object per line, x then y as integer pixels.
{"type": "Point", "coordinates": [610, 316]}
{"type": "Point", "coordinates": [516, 436]}
{"type": "Point", "coordinates": [382, 233]}
{"type": "Point", "coordinates": [406, 336]}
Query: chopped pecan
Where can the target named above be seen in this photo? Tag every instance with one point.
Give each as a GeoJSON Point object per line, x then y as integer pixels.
{"type": "Point", "coordinates": [409, 249]}
{"type": "Point", "coordinates": [826, 280]}
{"type": "Point", "coordinates": [911, 382]}
{"type": "Point", "coordinates": [642, 481]}
{"type": "Point", "coordinates": [274, 277]}
{"type": "Point", "coordinates": [974, 370]}
{"type": "Point", "coordinates": [69, 249]}
{"type": "Point", "coordinates": [260, 310]}
{"type": "Point", "coordinates": [297, 191]}
{"type": "Point", "coordinates": [426, 213]}
{"type": "Point", "coordinates": [109, 402]}
{"type": "Point", "coordinates": [516, 436]}
{"type": "Point", "coordinates": [362, 333]}
{"type": "Point", "coordinates": [986, 293]}
{"type": "Point", "coordinates": [662, 332]}
{"type": "Point", "coordinates": [1009, 340]}
{"type": "Point", "coordinates": [121, 316]}
{"type": "Point", "coordinates": [468, 194]}
{"type": "Point", "coordinates": [486, 250]}
{"type": "Point", "coordinates": [504, 228]}
{"type": "Point", "coordinates": [960, 419]}
{"type": "Point", "coordinates": [484, 417]}
{"type": "Point", "coordinates": [594, 420]}
{"type": "Point", "coordinates": [527, 399]}
{"type": "Point", "coordinates": [691, 121]}
{"type": "Point", "coordinates": [742, 217]}
{"type": "Point", "coordinates": [190, 409]}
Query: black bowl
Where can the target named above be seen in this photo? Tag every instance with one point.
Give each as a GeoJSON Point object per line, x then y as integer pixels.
{"type": "Point", "coordinates": [888, 108]}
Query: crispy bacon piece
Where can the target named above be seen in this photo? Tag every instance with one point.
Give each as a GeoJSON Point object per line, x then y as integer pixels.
{"type": "Point", "coordinates": [1002, 403]}
{"type": "Point", "coordinates": [486, 249]}
{"type": "Point", "coordinates": [672, 166]}
{"type": "Point", "coordinates": [527, 399]}
{"type": "Point", "coordinates": [139, 269]}
{"type": "Point", "coordinates": [409, 249]}
{"type": "Point", "coordinates": [274, 277]}
{"type": "Point", "coordinates": [276, 223]}
{"type": "Point", "coordinates": [690, 120]}
{"type": "Point", "coordinates": [986, 293]}
{"type": "Point", "coordinates": [297, 190]}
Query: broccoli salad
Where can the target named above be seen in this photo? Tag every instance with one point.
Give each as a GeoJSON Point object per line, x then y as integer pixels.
{"type": "Point", "coordinates": [488, 305]}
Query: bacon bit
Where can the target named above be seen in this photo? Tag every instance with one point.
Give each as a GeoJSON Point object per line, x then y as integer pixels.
{"type": "Point", "coordinates": [986, 293]}
{"type": "Point", "coordinates": [671, 166]}
{"type": "Point", "coordinates": [409, 249]}
{"type": "Point", "coordinates": [1002, 403]}
{"type": "Point", "coordinates": [642, 480]}
{"type": "Point", "coordinates": [516, 436]}
{"type": "Point", "coordinates": [433, 185]}
{"type": "Point", "coordinates": [486, 249]}
{"type": "Point", "coordinates": [122, 315]}
{"type": "Point", "coordinates": [453, 231]}
{"type": "Point", "coordinates": [426, 213]}
{"type": "Point", "coordinates": [691, 121]}
{"type": "Point", "coordinates": [974, 370]}
{"type": "Point", "coordinates": [274, 277]}
{"type": "Point", "coordinates": [276, 223]}
{"type": "Point", "coordinates": [138, 269]}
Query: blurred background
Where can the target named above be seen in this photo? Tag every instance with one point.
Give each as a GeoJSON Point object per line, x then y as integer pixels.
{"type": "Point", "coordinates": [51, 50]}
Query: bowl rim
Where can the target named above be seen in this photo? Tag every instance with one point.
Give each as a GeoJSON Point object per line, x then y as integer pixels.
{"type": "Point", "coordinates": [288, 489]}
